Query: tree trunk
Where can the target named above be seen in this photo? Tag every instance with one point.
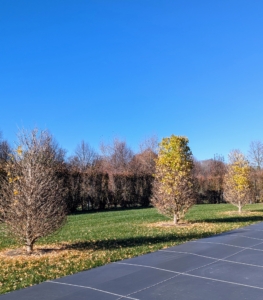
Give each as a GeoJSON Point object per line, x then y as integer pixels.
{"type": "Point", "coordinates": [175, 219]}
{"type": "Point", "coordinates": [239, 207]}
{"type": "Point", "coordinates": [29, 243]}
{"type": "Point", "coordinates": [29, 247]}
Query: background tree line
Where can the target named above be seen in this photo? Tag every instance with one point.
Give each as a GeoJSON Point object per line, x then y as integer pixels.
{"type": "Point", "coordinates": [210, 174]}
{"type": "Point", "coordinates": [118, 177]}
{"type": "Point", "coordinates": [115, 178]}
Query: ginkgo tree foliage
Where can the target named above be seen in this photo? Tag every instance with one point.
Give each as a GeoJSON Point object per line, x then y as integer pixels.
{"type": "Point", "coordinates": [31, 195]}
{"type": "Point", "coordinates": [173, 189]}
{"type": "Point", "coordinates": [237, 180]}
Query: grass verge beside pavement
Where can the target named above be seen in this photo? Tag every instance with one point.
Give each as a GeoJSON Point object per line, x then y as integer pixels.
{"type": "Point", "coordinates": [95, 239]}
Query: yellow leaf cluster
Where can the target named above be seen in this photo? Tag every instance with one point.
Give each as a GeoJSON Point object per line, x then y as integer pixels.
{"type": "Point", "coordinates": [19, 150]}
{"type": "Point", "coordinates": [239, 175]}
{"type": "Point", "coordinates": [175, 155]}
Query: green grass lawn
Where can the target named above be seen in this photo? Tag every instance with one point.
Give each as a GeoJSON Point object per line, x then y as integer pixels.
{"type": "Point", "coordinates": [94, 239]}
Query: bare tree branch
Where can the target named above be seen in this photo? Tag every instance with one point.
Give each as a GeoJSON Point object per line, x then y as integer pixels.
{"type": "Point", "coordinates": [85, 157]}
{"type": "Point", "coordinates": [255, 154]}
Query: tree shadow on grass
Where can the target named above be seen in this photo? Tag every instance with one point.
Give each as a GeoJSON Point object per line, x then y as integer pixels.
{"type": "Point", "coordinates": [231, 219]}
{"type": "Point", "coordinates": [111, 209]}
{"type": "Point", "coordinates": [134, 242]}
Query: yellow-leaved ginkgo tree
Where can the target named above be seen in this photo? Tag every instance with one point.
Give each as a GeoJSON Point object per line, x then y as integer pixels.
{"type": "Point", "coordinates": [237, 181]}
{"type": "Point", "coordinates": [173, 189]}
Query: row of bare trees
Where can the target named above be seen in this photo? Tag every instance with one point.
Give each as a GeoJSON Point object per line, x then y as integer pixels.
{"type": "Point", "coordinates": [115, 158]}
{"type": "Point", "coordinates": [95, 190]}
{"type": "Point", "coordinates": [116, 177]}
{"type": "Point", "coordinates": [119, 177]}
{"type": "Point", "coordinates": [209, 175]}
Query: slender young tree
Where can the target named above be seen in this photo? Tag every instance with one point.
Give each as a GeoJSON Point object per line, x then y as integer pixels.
{"type": "Point", "coordinates": [144, 161]}
{"type": "Point", "coordinates": [173, 192]}
{"type": "Point", "coordinates": [4, 149]}
{"type": "Point", "coordinates": [84, 157]}
{"type": "Point", "coordinates": [255, 156]}
{"type": "Point", "coordinates": [237, 181]}
{"type": "Point", "coordinates": [31, 196]}
{"type": "Point", "coordinates": [116, 156]}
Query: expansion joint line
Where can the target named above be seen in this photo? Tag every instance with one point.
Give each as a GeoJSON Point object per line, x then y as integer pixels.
{"type": "Point", "coordinates": [91, 288]}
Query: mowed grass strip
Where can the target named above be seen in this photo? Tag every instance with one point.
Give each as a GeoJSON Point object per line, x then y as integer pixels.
{"type": "Point", "coordinates": [95, 239]}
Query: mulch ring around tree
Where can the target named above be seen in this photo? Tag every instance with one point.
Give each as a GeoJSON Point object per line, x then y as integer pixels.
{"type": "Point", "coordinates": [170, 224]}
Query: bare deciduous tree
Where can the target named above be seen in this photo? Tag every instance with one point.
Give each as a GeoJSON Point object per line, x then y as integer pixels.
{"type": "Point", "coordinates": [84, 161]}
{"type": "Point", "coordinates": [217, 170]}
{"type": "Point", "coordinates": [31, 197]}
{"type": "Point", "coordinates": [255, 154]}
{"type": "Point", "coordinates": [117, 156]}
{"type": "Point", "coordinates": [144, 161]}
{"type": "Point", "coordinates": [84, 157]}
{"type": "Point", "coordinates": [209, 177]}
{"type": "Point", "coordinates": [4, 149]}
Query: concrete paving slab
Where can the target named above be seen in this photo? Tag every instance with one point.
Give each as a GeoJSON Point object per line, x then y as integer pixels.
{"type": "Point", "coordinates": [191, 288]}
{"type": "Point", "coordinates": [249, 256]}
{"type": "Point", "coordinates": [136, 278]}
{"type": "Point", "coordinates": [100, 275]}
{"type": "Point", "coordinates": [258, 247]}
{"type": "Point", "coordinates": [206, 249]}
{"type": "Point", "coordinates": [257, 226]}
{"type": "Point", "coordinates": [234, 239]}
{"type": "Point", "coordinates": [173, 261]}
{"type": "Point", "coordinates": [46, 291]}
{"type": "Point", "coordinates": [231, 272]}
{"type": "Point", "coordinates": [251, 234]}
{"type": "Point", "coordinates": [136, 281]}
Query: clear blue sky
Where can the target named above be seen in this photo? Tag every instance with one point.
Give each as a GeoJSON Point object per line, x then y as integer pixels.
{"type": "Point", "coordinates": [97, 69]}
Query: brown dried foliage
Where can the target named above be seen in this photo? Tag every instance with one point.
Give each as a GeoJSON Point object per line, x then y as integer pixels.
{"type": "Point", "coordinates": [209, 177]}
